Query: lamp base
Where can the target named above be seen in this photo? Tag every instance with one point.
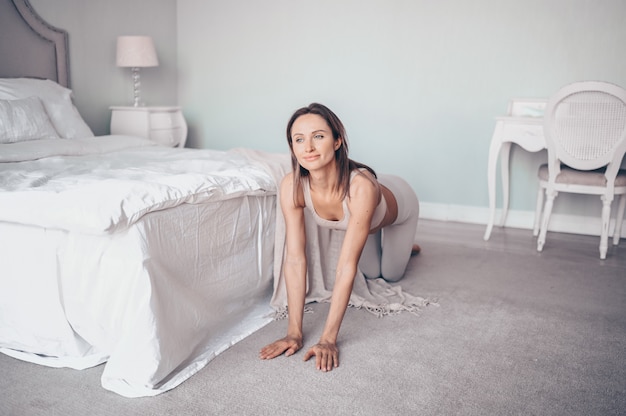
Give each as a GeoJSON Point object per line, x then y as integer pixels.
{"type": "Point", "coordinates": [136, 87]}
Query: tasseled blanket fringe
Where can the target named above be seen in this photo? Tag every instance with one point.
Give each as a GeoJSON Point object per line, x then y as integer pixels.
{"type": "Point", "coordinates": [380, 311]}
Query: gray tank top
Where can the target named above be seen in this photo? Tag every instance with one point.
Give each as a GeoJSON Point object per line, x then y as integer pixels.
{"type": "Point", "coordinates": [342, 224]}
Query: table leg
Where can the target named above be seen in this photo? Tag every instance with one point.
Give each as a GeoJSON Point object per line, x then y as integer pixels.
{"type": "Point", "coordinates": [505, 153]}
{"type": "Point", "coordinates": [492, 166]}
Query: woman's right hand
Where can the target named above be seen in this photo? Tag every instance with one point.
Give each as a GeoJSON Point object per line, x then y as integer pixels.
{"type": "Point", "coordinates": [288, 345]}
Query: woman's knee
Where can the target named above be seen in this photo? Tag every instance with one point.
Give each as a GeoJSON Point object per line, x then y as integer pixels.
{"type": "Point", "coordinates": [370, 272]}
{"type": "Point", "coordinates": [393, 278]}
{"type": "Point", "coordinates": [395, 270]}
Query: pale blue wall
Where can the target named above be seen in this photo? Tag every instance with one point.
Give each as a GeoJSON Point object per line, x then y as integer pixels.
{"type": "Point", "coordinates": [417, 82]}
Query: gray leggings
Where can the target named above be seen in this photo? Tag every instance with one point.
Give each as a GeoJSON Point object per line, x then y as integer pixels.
{"type": "Point", "coordinates": [387, 252]}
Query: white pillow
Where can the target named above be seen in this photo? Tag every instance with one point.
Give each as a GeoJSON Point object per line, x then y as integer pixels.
{"type": "Point", "coordinates": [24, 119]}
{"type": "Point", "coordinates": [56, 99]}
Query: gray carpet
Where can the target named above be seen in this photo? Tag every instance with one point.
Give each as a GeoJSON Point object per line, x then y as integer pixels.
{"type": "Point", "coordinates": [516, 332]}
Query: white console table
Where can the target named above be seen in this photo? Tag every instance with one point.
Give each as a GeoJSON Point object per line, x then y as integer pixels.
{"type": "Point", "coordinates": [523, 125]}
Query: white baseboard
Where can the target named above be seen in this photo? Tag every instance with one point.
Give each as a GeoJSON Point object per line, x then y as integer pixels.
{"type": "Point", "coordinates": [573, 224]}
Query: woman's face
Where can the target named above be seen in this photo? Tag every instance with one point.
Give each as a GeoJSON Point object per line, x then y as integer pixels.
{"type": "Point", "coordinates": [312, 142]}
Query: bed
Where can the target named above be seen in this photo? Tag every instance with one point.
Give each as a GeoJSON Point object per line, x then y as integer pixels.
{"type": "Point", "coordinates": [113, 250]}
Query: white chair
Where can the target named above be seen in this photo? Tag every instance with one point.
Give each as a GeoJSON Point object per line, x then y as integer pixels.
{"type": "Point", "coordinates": [585, 132]}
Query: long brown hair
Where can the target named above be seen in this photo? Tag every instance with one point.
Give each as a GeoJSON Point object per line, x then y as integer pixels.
{"type": "Point", "coordinates": [345, 165]}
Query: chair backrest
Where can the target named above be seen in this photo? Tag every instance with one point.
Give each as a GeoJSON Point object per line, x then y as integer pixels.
{"type": "Point", "coordinates": [585, 126]}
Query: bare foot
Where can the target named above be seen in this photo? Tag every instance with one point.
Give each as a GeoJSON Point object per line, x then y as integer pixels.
{"type": "Point", "coordinates": [415, 250]}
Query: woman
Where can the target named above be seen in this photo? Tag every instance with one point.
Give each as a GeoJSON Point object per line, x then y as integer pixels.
{"type": "Point", "coordinates": [340, 194]}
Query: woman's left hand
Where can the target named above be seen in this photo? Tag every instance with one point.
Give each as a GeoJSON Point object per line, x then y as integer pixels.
{"type": "Point", "coordinates": [326, 356]}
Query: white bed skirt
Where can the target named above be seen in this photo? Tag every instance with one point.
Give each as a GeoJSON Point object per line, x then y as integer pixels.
{"type": "Point", "coordinates": [157, 309]}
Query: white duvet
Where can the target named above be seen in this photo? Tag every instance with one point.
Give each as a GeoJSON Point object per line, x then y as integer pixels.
{"type": "Point", "coordinates": [153, 260]}
{"type": "Point", "coordinates": [95, 194]}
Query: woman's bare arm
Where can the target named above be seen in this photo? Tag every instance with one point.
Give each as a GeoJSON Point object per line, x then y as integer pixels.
{"type": "Point", "coordinates": [363, 201]}
{"type": "Point", "coordinates": [294, 267]}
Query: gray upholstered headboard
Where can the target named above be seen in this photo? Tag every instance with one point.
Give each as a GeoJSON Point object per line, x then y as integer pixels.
{"type": "Point", "coordinates": [30, 47]}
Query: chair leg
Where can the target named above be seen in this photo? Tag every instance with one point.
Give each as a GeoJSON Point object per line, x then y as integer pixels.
{"type": "Point", "coordinates": [606, 219]}
{"type": "Point", "coordinates": [547, 210]}
{"type": "Point", "coordinates": [537, 222]}
{"type": "Point", "coordinates": [619, 219]}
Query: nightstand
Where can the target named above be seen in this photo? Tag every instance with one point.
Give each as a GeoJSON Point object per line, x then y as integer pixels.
{"type": "Point", "coordinates": [163, 125]}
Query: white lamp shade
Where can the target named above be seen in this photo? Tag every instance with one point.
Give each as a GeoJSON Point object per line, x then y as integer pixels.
{"type": "Point", "coordinates": [136, 51]}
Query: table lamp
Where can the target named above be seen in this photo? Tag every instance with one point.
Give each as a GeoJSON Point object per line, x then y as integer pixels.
{"type": "Point", "coordinates": [136, 52]}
